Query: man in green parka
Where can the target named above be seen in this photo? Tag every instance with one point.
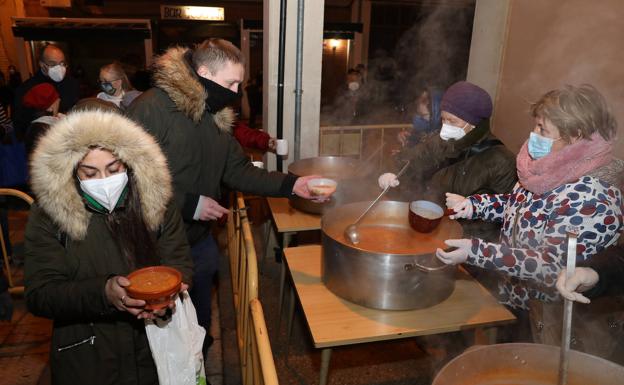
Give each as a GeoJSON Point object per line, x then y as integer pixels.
{"type": "Point", "coordinates": [187, 113]}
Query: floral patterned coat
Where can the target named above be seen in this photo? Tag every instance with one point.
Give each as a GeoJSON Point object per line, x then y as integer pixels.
{"type": "Point", "coordinates": [533, 243]}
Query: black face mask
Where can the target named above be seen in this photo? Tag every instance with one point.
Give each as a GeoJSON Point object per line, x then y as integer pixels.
{"type": "Point", "coordinates": [218, 96]}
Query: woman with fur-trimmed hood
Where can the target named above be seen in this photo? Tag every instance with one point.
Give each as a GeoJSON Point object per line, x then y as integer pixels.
{"type": "Point", "coordinates": [103, 209]}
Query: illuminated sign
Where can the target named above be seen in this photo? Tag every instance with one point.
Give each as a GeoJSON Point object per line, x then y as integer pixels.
{"type": "Point", "coordinates": [184, 12]}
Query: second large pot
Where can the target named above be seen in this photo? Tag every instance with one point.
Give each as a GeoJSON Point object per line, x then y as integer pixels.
{"type": "Point", "coordinates": [526, 364]}
{"type": "Point", "coordinates": [352, 175]}
{"type": "Point", "coordinates": [393, 267]}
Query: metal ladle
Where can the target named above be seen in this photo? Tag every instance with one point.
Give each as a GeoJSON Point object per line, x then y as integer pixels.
{"type": "Point", "coordinates": [564, 356]}
{"type": "Point", "coordinates": [351, 232]}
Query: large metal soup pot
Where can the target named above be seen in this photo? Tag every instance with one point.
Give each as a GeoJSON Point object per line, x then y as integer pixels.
{"type": "Point", "coordinates": [353, 177]}
{"type": "Point", "coordinates": [393, 267]}
{"type": "Point", "coordinates": [526, 364]}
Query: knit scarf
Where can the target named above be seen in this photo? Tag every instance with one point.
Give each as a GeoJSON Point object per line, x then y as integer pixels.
{"type": "Point", "coordinates": [564, 166]}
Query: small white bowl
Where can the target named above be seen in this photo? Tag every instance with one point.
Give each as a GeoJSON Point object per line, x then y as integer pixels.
{"type": "Point", "coordinates": [322, 186]}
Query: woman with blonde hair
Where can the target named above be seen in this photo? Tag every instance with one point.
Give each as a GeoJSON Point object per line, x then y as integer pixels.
{"type": "Point", "coordinates": [568, 179]}
{"type": "Point", "coordinates": [115, 85]}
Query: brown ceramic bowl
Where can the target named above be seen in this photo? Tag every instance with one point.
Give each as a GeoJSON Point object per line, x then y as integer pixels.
{"type": "Point", "coordinates": [155, 285]}
{"type": "Point", "coordinates": [425, 216]}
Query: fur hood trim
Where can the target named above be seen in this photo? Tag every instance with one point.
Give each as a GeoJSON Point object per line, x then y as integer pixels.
{"type": "Point", "coordinates": [174, 75]}
{"type": "Point", "coordinates": [65, 144]}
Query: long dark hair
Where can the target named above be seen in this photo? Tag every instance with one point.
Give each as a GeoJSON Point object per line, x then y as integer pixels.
{"type": "Point", "coordinates": [136, 241]}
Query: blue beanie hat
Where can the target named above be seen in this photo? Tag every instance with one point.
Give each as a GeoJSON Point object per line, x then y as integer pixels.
{"type": "Point", "coordinates": [468, 102]}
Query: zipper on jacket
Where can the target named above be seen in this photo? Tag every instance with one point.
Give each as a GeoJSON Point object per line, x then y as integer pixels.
{"type": "Point", "coordinates": [90, 340]}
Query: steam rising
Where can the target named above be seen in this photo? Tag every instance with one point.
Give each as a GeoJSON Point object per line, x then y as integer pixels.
{"type": "Point", "coordinates": [432, 53]}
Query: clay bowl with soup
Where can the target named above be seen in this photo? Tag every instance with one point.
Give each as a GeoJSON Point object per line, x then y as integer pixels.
{"type": "Point", "coordinates": [425, 216]}
{"type": "Point", "coordinates": [156, 285]}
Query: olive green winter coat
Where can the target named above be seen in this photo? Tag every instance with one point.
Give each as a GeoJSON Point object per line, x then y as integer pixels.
{"type": "Point", "coordinates": [201, 151]}
{"type": "Point", "coordinates": [478, 163]}
{"type": "Point", "coordinates": [70, 252]}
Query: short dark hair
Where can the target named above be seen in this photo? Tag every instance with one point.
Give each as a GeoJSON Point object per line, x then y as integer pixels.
{"type": "Point", "coordinates": [214, 53]}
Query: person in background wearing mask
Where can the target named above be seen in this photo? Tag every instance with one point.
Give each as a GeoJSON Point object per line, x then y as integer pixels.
{"type": "Point", "coordinates": [354, 80]}
{"type": "Point", "coordinates": [187, 113]}
{"type": "Point", "coordinates": [44, 101]}
{"type": "Point", "coordinates": [567, 178]}
{"type": "Point", "coordinates": [348, 106]}
{"type": "Point", "coordinates": [116, 87]}
{"type": "Point", "coordinates": [52, 70]}
{"type": "Point", "coordinates": [463, 157]}
{"type": "Point", "coordinates": [426, 119]}
{"type": "Point", "coordinates": [103, 208]}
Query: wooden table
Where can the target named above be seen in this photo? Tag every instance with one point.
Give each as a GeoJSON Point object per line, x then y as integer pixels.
{"type": "Point", "coordinates": [288, 221]}
{"type": "Point", "coordinates": [336, 322]}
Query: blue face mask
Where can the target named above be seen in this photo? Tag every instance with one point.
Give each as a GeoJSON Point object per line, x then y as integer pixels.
{"type": "Point", "coordinates": [108, 88]}
{"type": "Point", "coordinates": [539, 146]}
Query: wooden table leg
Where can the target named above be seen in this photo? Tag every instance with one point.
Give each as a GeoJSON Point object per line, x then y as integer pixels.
{"type": "Point", "coordinates": [291, 316]}
{"type": "Point", "coordinates": [325, 357]}
{"type": "Point", "coordinates": [267, 240]}
{"type": "Point", "coordinates": [281, 295]}
{"type": "Point", "coordinates": [285, 242]}
{"type": "Point", "coordinates": [291, 313]}
{"type": "Point", "coordinates": [486, 335]}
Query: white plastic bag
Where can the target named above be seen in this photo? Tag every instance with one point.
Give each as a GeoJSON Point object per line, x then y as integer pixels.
{"type": "Point", "coordinates": [176, 345]}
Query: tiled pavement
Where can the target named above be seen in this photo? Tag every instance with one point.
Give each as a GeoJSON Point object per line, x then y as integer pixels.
{"type": "Point", "coordinates": [24, 346]}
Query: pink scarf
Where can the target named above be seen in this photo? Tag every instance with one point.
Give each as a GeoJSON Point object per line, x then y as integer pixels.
{"type": "Point", "coordinates": [564, 166]}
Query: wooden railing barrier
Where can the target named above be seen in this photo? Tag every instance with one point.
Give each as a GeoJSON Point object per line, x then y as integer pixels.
{"type": "Point", "coordinates": [256, 357]}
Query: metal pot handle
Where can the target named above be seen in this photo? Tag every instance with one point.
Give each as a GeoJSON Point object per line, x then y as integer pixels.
{"type": "Point", "coordinates": [426, 269]}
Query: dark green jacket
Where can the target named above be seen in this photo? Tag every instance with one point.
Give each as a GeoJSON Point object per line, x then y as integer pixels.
{"type": "Point", "coordinates": [201, 151]}
{"type": "Point", "coordinates": [70, 252]}
{"type": "Point", "coordinates": [66, 283]}
{"type": "Point", "coordinates": [476, 164]}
